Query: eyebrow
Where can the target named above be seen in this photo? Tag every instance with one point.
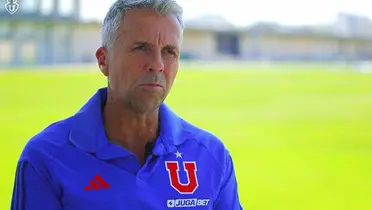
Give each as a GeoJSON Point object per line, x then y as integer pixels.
{"type": "Point", "coordinates": [172, 47]}
{"type": "Point", "coordinates": [141, 43]}
{"type": "Point", "coordinates": [167, 46]}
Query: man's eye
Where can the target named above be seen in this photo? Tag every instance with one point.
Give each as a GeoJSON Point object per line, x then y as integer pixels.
{"type": "Point", "coordinates": [140, 47]}
{"type": "Point", "coordinates": [171, 52]}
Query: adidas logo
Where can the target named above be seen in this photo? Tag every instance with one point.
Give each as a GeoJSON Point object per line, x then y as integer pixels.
{"type": "Point", "coordinates": [97, 183]}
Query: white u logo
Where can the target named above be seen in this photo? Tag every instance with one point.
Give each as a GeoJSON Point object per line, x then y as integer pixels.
{"type": "Point", "coordinates": [11, 6]}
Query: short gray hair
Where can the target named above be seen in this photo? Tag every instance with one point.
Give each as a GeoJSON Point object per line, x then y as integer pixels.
{"type": "Point", "coordinates": [116, 12]}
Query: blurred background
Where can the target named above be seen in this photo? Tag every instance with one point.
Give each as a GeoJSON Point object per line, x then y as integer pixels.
{"type": "Point", "coordinates": [286, 84]}
{"type": "Point", "coordinates": [68, 31]}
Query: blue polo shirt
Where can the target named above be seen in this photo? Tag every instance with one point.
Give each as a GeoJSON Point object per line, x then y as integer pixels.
{"type": "Point", "coordinates": [71, 165]}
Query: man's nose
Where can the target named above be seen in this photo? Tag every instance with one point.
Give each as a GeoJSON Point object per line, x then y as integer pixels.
{"type": "Point", "coordinates": [156, 62]}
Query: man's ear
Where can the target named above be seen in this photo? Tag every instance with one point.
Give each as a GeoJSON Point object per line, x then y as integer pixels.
{"type": "Point", "coordinates": [102, 59]}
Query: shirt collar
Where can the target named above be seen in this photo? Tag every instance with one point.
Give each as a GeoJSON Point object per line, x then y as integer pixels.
{"type": "Point", "coordinates": [88, 133]}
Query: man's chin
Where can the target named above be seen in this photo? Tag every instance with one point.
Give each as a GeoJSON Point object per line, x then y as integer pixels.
{"type": "Point", "coordinates": [145, 106]}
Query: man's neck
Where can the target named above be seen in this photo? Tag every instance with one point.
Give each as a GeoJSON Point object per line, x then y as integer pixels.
{"type": "Point", "coordinates": [128, 129]}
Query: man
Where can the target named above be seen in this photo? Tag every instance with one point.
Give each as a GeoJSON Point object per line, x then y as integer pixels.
{"type": "Point", "coordinates": [125, 148]}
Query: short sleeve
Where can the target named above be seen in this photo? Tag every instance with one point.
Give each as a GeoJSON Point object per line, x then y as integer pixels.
{"type": "Point", "coordinates": [228, 198]}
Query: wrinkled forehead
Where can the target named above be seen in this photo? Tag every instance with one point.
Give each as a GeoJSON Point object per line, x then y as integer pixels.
{"type": "Point", "coordinates": [140, 24]}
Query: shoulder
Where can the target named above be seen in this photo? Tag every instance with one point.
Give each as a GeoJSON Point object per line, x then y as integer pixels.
{"type": "Point", "coordinates": [45, 144]}
{"type": "Point", "coordinates": [35, 166]}
{"type": "Point", "coordinates": [207, 141]}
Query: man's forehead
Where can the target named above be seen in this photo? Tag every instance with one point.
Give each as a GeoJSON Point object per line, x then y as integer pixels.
{"type": "Point", "coordinates": [152, 33]}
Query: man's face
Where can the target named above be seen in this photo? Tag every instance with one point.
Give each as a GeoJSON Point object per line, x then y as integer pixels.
{"type": "Point", "coordinates": [144, 59]}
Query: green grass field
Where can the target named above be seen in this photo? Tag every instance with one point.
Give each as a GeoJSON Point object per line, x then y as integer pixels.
{"type": "Point", "coordinates": [300, 136]}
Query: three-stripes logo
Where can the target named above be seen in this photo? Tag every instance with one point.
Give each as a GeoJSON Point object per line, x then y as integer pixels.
{"type": "Point", "coordinates": [97, 183]}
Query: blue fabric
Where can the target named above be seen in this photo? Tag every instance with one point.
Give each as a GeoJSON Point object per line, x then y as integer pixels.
{"type": "Point", "coordinates": [58, 167]}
